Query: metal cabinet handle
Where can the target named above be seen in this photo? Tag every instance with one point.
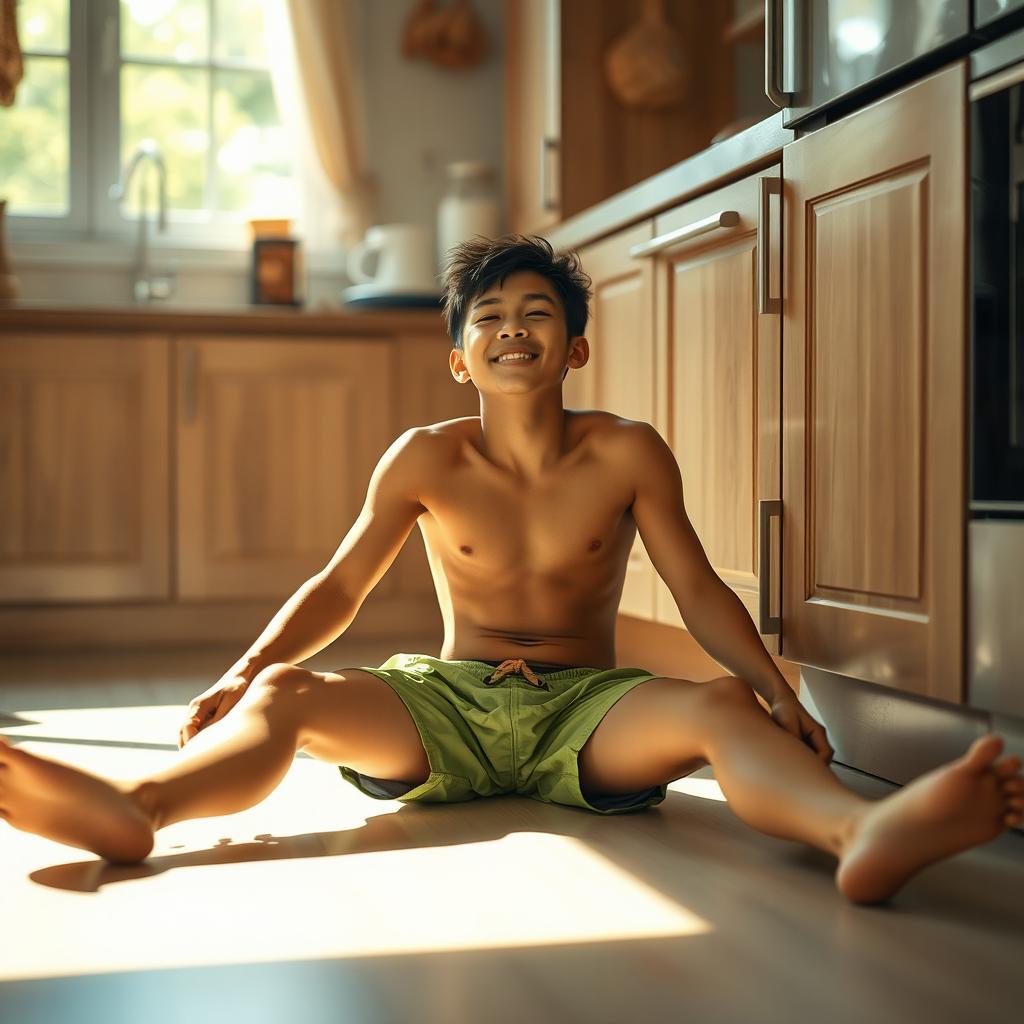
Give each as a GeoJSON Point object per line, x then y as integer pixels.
{"type": "Point", "coordinates": [772, 41]}
{"type": "Point", "coordinates": [766, 303]}
{"type": "Point", "coordinates": [722, 219]}
{"type": "Point", "coordinates": [547, 145]}
{"type": "Point", "coordinates": [768, 625]}
{"type": "Point", "coordinates": [190, 384]}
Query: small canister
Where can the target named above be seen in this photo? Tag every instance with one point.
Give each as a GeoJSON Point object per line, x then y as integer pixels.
{"type": "Point", "coordinates": [469, 207]}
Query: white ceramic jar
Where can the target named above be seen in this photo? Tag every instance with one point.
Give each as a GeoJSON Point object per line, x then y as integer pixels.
{"type": "Point", "coordinates": [469, 207]}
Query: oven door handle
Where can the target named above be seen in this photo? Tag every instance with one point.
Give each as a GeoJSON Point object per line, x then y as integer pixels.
{"type": "Point", "coordinates": [772, 50]}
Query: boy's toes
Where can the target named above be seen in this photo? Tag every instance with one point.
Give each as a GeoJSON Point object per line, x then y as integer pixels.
{"type": "Point", "coordinates": [984, 750]}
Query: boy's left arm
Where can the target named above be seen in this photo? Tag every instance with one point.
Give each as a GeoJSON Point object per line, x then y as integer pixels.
{"type": "Point", "coordinates": [714, 615]}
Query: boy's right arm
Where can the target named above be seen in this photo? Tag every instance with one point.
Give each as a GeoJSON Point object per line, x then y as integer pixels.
{"type": "Point", "coordinates": [325, 605]}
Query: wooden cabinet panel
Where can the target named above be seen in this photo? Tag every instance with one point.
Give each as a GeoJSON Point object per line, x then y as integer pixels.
{"type": "Point", "coordinates": [620, 375]}
{"type": "Point", "coordinates": [874, 458]}
{"type": "Point", "coordinates": [571, 142]}
{"type": "Point", "coordinates": [83, 468]}
{"type": "Point", "coordinates": [277, 440]}
{"type": "Point", "coordinates": [720, 362]}
{"type": "Point", "coordinates": [533, 114]}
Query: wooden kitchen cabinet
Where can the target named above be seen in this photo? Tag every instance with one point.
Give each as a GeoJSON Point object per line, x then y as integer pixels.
{"type": "Point", "coordinates": [84, 468]}
{"type": "Point", "coordinates": [570, 141]}
{"type": "Point", "coordinates": [533, 114]}
{"type": "Point", "coordinates": [276, 442]}
{"type": "Point", "coordinates": [620, 375]}
{"type": "Point", "coordinates": [874, 391]}
{"type": "Point", "coordinates": [717, 343]}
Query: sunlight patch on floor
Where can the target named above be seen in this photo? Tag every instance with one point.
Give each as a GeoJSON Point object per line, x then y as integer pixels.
{"type": "Point", "coordinates": [146, 724]}
{"type": "Point", "coordinates": [705, 789]}
{"type": "Point", "coordinates": [525, 889]}
{"type": "Point", "coordinates": [316, 870]}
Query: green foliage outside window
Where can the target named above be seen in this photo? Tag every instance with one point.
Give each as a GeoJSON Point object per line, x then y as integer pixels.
{"type": "Point", "coordinates": [205, 97]}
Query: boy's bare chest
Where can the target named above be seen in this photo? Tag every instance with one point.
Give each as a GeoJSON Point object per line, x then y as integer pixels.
{"type": "Point", "coordinates": [578, 517]}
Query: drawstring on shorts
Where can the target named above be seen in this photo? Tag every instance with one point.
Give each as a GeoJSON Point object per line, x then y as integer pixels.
{"type": "Point", "coordinates": [515, 666]}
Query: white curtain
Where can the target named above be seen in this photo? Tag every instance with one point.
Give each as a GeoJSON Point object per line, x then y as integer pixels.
{"type": "Point", "coordinates": [317, 78]}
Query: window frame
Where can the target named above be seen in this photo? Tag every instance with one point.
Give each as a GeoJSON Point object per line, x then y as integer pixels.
{"type": "Point", "coordinates": [76, 222]}
{"type": "Point", "coordinates": [94, 76]}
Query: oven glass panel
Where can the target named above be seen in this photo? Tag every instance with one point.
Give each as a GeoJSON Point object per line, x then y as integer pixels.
{"type": "Point", "coordinates": [997, 271]}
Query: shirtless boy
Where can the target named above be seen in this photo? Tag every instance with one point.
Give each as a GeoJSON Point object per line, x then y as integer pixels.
{"type": "Point", "coordinates": [528, 513]}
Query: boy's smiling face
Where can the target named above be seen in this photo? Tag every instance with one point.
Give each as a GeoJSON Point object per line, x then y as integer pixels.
{"type": "Point", "coordinates": [524, 313]}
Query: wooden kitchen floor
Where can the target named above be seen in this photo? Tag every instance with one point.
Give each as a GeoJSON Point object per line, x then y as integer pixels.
{"type": "Point", "coordinates": [321, 904]}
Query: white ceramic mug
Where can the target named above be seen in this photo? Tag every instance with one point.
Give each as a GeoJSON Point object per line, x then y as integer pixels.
{"type": "Point", "coordinates": [405, 258]}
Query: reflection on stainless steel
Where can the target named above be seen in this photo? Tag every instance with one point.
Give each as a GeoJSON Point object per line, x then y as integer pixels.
{"type": "Point", "coordinates": [837, 46]}
{"type": "Point", "coordinates": [995, 651]}
{"type": "Point", "coordinates": [858, 26]}
{"type": "Point", "coordinates": [988, 10]}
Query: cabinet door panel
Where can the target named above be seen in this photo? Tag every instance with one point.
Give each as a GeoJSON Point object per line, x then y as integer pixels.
{"type": "Point", "coordinates": [533, 114]}
{"type": "Point", "coordinates": [274, 463]}
{"type": "Point", "coordinates": [874, 467]}
{"type": "Point", "coordinates": [722, 376]}
{"type": "Point", "coordinates": [621, 372]}
{"type": "Point", "coordinates": [83, 468]}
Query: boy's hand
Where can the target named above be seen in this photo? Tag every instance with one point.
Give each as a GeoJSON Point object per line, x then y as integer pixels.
{"type": "Point", "coordinates": [213, 705]}
{"type": "Point", "coordinates": [789, 713]}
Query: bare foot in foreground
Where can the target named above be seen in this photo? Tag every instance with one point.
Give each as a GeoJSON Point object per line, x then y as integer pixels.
{"type": "Point", "coordinates": [71, 806]}
{"type": "Point", "coordinates": [956, 806]}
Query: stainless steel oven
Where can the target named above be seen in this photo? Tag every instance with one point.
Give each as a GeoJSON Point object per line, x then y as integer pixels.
{"type": "Point", "coordinates": [988, 11]}
{"type": "Point", "coordinates": [996, 491]}
{"type": "Point", "coordinates": [820, 54]}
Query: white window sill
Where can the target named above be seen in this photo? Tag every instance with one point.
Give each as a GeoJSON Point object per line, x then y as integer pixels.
{"type": "Point", "coordinates": [118, 253]}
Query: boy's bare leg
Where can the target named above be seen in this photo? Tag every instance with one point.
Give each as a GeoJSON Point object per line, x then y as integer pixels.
{"type": "Point", "coordinates": [778, 785]}
{"type": "Point", "coordinates": [353, 719]}
{"type": "Point", "coordinates": [229, 766]}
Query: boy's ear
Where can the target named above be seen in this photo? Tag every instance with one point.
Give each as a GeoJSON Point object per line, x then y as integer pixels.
{"type": "Point", "coordinates": [458, 366]}
{"type": "Point", "coordinates": [579, 352]}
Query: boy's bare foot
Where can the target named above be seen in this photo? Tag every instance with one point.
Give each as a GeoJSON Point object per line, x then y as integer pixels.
{"type": "Point", "coordinates": [958, 805]}
{"type": "Point", "coordinates": [73, 807]}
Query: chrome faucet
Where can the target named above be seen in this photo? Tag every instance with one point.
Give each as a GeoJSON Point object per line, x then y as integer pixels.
{"type": "Point", "coordinates": [147, 285]}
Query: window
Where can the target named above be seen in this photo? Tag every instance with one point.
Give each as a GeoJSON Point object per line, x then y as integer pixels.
{"type": "Point", "coordinates": [102, 77]}
{"type": "Point", "coordinates": [35, 138]}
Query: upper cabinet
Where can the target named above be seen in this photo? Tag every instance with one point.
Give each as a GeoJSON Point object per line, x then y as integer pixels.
{"type": "Point", "coordinates": [593, 107]}
{"type": "Point", "coordinates": [533, 114]}
{"type": "Point", "coordinates": [873, 421]}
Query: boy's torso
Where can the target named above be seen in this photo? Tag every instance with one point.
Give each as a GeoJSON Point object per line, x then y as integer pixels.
{"type": "Point", "coordinates": [531, 571]}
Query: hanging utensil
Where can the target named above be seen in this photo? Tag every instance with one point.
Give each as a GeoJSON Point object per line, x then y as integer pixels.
{"type": "Point", "coordinates": [647, 66]}
{"type": "Point", "coordinates": [419, 28]}
{"type": "Point", "coordinates": [459, 40]}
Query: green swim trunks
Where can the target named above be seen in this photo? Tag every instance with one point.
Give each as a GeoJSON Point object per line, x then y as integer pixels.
{"type": "Point", "coordinates": [486, 736]}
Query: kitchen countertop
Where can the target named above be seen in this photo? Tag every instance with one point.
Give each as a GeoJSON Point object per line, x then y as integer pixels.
{"type": "Point", "coordinates": [740, 154]}
{"type": "Point", "coordinates": [222, 320]}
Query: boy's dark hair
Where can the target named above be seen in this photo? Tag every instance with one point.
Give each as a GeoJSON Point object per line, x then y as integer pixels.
{"type": "Point", "coordinates": [478, 264]}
